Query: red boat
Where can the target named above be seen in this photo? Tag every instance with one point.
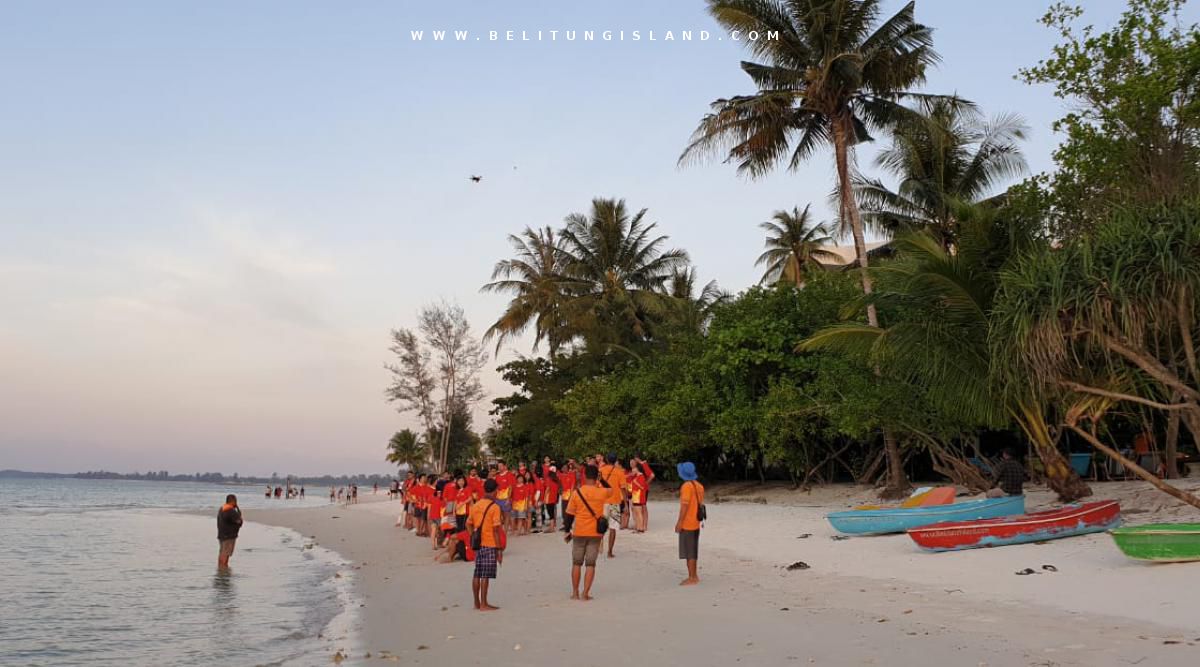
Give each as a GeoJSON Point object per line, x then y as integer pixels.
{"type": "Point", "coordinates": [1075, 519]}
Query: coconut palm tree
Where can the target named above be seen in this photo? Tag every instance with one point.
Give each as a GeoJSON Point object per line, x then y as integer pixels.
{"type": "Point", "coordinates": [535, 276]}
{"type": "Point", "coordinates": [942, 343]}
{"type": "Point", "coordinates": [836, 71]}
{"type": "Point", "coordinates": [616, 272]}
{"type": "Point", "coordinates": [947, 155]}
{"type": "Point", "coordinates": [691, 311]}
{"type": "Point", "coordinates": [795, 247]}
{"type": "Point", "coordinates": [406, 448]}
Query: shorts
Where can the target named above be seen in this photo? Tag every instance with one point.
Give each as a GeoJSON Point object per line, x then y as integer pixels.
{"type": "Point", "coordinates": [520, 514]}
{"type": "Point", "coordinates": [552, 511]}
{"type": "Point", "coordinates": [421, 513]}
{"type": "Point", "coordinates": [448, 522]}
{"type": "Point", "coordinates": [505, 505]}
{"type": "Point", "coordinates": [460, 551]}
{"type": "Point", "coordinates": [227, 547]}
{"type": "Point", "coordinates": [585, 550]}
{"type": "Point", "coordinates": [485, 563]}
{"type": "Point", "coordinates": [613, 512]}
{"type": "Point", "coordinates": [460, 522]}
{"type": "Point", "coordinates": [689, 544]}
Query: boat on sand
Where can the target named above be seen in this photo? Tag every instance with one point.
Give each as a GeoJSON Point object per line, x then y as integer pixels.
{"type": "Point", "coordinates": [898, 520]}
{"type": "Point", "coordinates": [1160, 542]}
{"type": "Point", "coordinates": [1068, 521]}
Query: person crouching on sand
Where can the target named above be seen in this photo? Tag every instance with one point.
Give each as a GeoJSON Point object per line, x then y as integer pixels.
{"type": "Point", "coordinates": [229, 522]}
{"type": "Point", "coordinates": [487, 518]}
{"type": "Point", "coordinates": [691, 500]}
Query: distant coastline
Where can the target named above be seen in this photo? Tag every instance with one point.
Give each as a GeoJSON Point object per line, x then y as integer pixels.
{"type": "Point", "coordinates": [206, 477]}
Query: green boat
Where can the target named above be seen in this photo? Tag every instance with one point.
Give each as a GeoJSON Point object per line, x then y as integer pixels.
{"type": "Point", "coordinates": [1160, 542]}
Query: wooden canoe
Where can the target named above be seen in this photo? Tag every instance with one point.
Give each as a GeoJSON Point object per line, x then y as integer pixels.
{"type": "Point", "coordinates": [858, 522]}
{"type": "Point", "coordinates": [1160, 542]}
{"type": "Point", "coordinates": [1075, 519]}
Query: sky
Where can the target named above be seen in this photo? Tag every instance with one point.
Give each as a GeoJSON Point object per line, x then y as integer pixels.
{"type": "Point", "coordinates": [212, 213]}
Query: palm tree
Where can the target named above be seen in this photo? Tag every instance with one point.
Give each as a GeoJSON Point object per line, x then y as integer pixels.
{"type": "Point", "coordinates": [941, 345]}
{"type": "Point", "coordinates": [835, 72]}
{"type": "Point", "coordinates": [616, 273]}
{"type": "Point", "coordinates": [794, 247]}
{"type": "Point", "coordinates": [405, 448]}
{"type": "Point", "coordinates": [535, 277]}
{"type": "Point", "coordinates": [692, 311]}
{"type": "Point", "coordinates": [948, 155]}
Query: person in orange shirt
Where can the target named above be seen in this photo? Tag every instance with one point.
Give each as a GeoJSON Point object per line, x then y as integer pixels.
{"type": "Point", "coordinates": [486, 517]}
{"type": "Point", "coordinates": [586, 506]}
{"type": "Point", "coordinates": [691, 500]}
{"type": "Point", "coordinates": [649, 473]}
{"type": "Point", "coordinates": [568, 482]}
{"type": "Point", "coordinates": [612, 477]}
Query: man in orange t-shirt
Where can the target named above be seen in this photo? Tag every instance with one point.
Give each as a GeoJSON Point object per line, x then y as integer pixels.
{"type": "Point", "coordinates": [691, 499]}
{"type": "Point", "coordinates": [486, 517]}
{"type": "Point", "coordinates": [586, 506]}
{"type": "Point", "coordinates": [613, 475]}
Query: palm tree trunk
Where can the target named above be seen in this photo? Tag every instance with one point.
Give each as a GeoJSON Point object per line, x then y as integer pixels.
{"type": "Point", "coordinates": [1170, 456]}
{"type": "Point", "coordinates": [842, 129]}
{"type": "Point", "coordinates": [1060, 476]}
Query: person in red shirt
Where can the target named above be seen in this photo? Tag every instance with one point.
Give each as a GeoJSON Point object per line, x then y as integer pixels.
{"type": "Point", "coordinates": [550, 500]}
{"type": "Point", "coordinates": [567, 480]}
{"type": "Point", "coordinates": [535, 508]}
{"type": "Point", "coordinates": [462, 505]}
{"type": "Point", "coordinates": [638, 487]}
{"type": "Point", "coordinates": [436, 505]}
{"type": "Point", "coordinates": [505, 480]}
{"type": "Point", "coordinates": [521, 501]}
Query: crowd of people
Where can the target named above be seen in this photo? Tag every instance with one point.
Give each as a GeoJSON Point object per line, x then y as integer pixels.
{"type": "Point", "coordinates": [470, 516]}
{"type": "Point", "coordinates": [287, 493]}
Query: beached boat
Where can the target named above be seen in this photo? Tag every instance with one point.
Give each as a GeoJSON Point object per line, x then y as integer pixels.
{"type": "Point", "coordinates": [1075, 519]}
{"type": "Point", "coordinates": [1160, 542]}
{"type": "Point", "coordinates": [898, 520]}
{"type": "Point", "coordinates": [923, 497]}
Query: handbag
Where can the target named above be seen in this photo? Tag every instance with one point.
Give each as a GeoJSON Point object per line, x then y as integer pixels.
{"type": "Point", "coordinates": [477, 534]}
{"type": "Point", "coordinates": [701, 510]}
{"type": "Point", "coordinates": [601, 521]}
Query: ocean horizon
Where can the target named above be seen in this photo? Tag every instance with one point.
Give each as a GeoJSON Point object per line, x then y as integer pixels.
{"type": "Point", "coordinates": [123, 572]}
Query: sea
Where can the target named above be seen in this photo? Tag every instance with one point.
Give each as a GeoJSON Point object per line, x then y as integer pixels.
{"type": "Point", "coordinates": [122, 572]}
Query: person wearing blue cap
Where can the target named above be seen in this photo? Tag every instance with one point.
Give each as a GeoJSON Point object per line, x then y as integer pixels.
{"type": "Point", "coordinates": [691, 513]}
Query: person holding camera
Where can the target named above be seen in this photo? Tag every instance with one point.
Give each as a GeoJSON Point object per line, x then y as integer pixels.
{"type": "Point", "coordinates": [589, 524]}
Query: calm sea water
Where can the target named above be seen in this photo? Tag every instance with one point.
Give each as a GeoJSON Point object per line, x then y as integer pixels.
{"type": "Point", "coordinates": [111, 572]}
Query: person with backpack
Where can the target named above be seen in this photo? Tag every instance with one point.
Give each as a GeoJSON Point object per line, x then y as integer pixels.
{"type": "Point", "coordinates": [691, 513]}
{"type": "Point", "coordinates": [487, 542]}
{"type": "Point", "coordinates": [612, 478]}
{"type": "Point", "coordinates": [587, 530]}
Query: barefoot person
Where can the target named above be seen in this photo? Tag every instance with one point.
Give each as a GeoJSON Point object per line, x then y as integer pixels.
{"type": "Point", "coordinates": [586, 506]}
{"type": "Point", "coordinates": [486, 517]}
{"type": "Point", "coordinates": [229, 522]}
{"type": "Point", "coordinates": [691, 499]}
{"type": "Point", "coordinates": [612, 477]}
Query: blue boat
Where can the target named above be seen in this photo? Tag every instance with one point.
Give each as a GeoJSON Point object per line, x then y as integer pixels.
{"type": "Point", "coordinates": [862, 522]}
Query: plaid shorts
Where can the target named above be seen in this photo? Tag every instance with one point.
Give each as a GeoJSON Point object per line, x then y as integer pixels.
{"type": "Point", "coordinates": [485, 563]}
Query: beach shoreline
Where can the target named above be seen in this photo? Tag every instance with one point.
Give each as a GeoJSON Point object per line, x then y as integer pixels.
{"type": "Point", "coordinates": [866, 600]}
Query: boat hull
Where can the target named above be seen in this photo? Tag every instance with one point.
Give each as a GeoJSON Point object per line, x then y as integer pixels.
{"type": "Point", "coordinates": [1078, 519]}
{"type": "Point", "coordinates": [1160, 542]}
{"type": "Point", "coordinates": [863, 522]}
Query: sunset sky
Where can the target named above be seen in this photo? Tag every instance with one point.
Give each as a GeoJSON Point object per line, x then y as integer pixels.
{"type": "Point", "coordinates": [211, 213]}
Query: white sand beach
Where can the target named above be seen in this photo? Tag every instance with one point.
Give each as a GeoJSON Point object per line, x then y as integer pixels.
{"type": "Point", "coordinates": [863, 601]}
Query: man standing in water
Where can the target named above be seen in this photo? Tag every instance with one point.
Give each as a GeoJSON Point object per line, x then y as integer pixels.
{"type": "Point", "coordinates": [229, 522]}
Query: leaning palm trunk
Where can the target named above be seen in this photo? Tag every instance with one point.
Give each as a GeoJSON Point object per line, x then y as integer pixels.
{"type": "Point", "coordinates": [1060, 476]}
{"type": "Point", "coordinates": [897, 480]}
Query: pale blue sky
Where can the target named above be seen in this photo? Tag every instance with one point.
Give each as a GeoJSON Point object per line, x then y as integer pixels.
{"type": "Point", "coordinates": [211, 213]}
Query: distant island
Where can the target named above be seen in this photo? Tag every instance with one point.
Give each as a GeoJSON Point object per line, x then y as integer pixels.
{"type": "Point", "coordinates": [208, 477]}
